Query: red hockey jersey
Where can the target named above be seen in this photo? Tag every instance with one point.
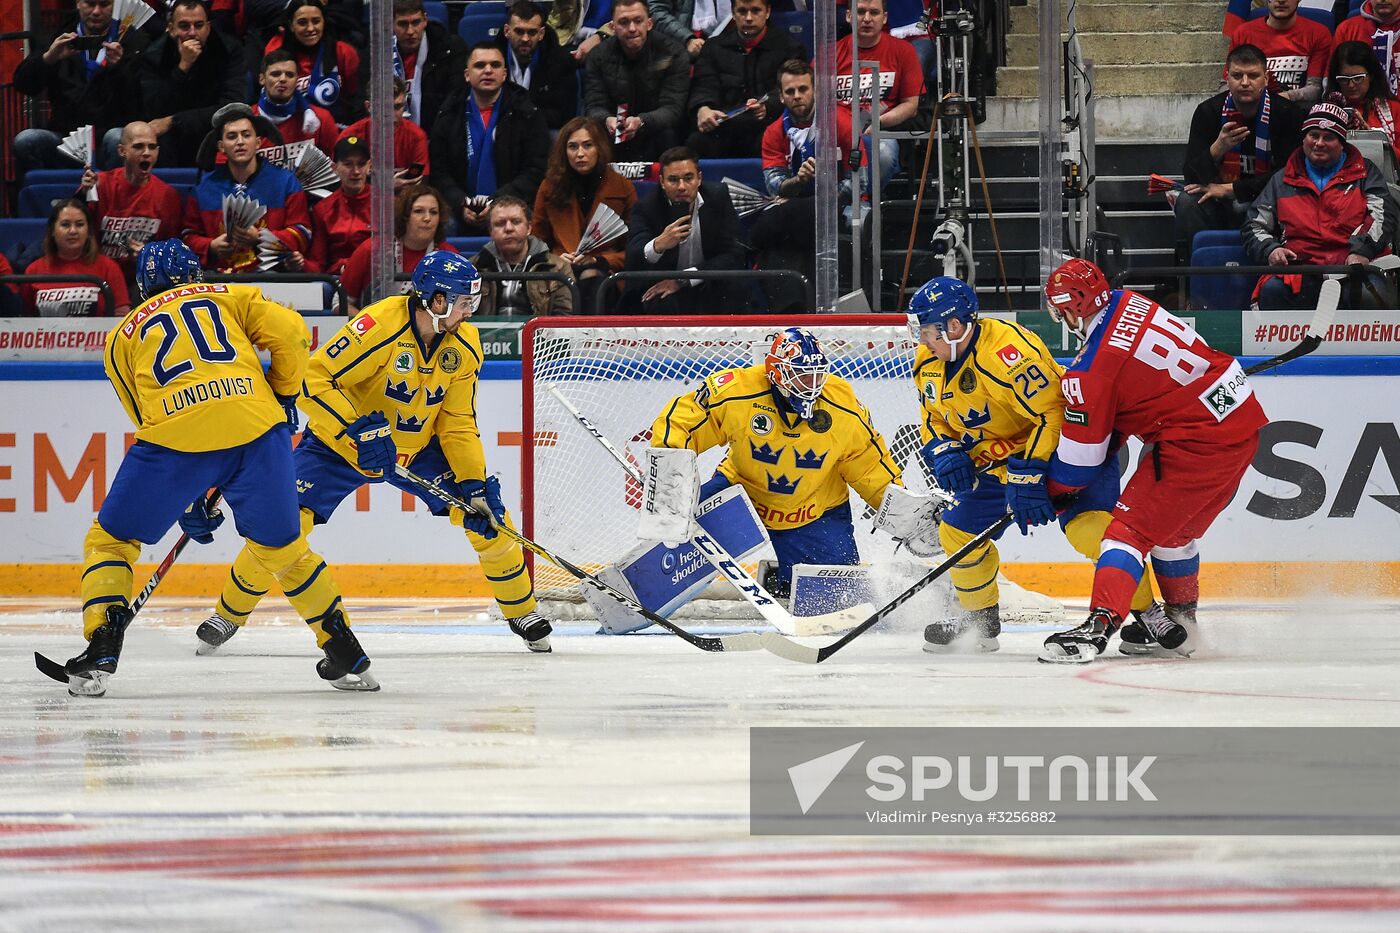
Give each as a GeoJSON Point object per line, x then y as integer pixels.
{"type": "Point", "coordinates": [128, 216]}
{"type": "Point", "coordinates": [1147, 373]}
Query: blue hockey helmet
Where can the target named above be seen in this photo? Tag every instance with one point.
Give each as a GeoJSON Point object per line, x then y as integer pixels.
{"type": "Point", "coordinates": [164, 264]}
{"type": "Point", "coordinates": [797, 367]}
{"type": "Point", "coordinates": [453, 275]}
{"type": "Point", "coordinates": [938, 301]}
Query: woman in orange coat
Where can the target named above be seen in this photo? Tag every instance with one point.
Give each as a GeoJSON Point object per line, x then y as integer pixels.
{"type": "Point", "coordinates": [577, 181]}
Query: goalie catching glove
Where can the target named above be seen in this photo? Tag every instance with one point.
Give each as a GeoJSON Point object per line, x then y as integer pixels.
{"type": "Point", "coordinates": [911, 519]}
{"type": "Point", "coordinates": [670, 494]}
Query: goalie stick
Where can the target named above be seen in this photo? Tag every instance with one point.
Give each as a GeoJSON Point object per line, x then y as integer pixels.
{"type": "Point", "coordinates": [747, 641]}
{"type": "Point", "coordinates": [753, 591]}
{"type": "Point", "coordinates": [786, 648]}
{"type": "Point", "coordinates": [56, 671]}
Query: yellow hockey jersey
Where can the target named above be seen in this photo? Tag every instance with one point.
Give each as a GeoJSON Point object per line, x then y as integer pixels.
{"type": "Point", "coordinates": [185, 367]}
{"type": "Point", "coordinates": [1001, 399]}
{"type": "Point", "coordinates": [793, 470]}
{"type": "Point", "coordinates": [425, 385]}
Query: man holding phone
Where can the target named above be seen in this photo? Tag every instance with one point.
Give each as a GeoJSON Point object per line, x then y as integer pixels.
{"type": "Point", "coordinates": [686, 224]}
{"type": "Point", "coordinates": [1238, 139]}
{"type": "Point", "coordinates": [85, 73]}
{"type": "Point", "coordinates": [410, 142]}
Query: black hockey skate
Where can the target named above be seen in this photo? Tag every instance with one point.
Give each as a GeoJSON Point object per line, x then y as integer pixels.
{"type": "Point", "coordinates": [975, 631]}
{"type": "Point", "coordinates": [88, 672]}
{"type": "Point", "coordinates": [1155, 633]}
{"type": "Point", "coordinates": [535, 629]}
{"type": "Point", "coordinates": [345, 665]}
{"type": "Point", "coordinates": [1082, 644]}
{"type": "Point", "coordinates": [212, 633]}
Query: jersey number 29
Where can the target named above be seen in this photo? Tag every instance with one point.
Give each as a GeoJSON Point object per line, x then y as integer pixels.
{"type": "Point", "coordinates": [1164, 346]}
{"type": "Point", "coordinates": [220, 351]}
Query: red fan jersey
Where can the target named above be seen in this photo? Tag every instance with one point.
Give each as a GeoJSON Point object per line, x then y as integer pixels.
{"type": "Point", "coordinates": [1146, 372]}
{"type": "Point", "coordinates": [128, 216]}
{"type": "Point", "coordinates": [1294, 54]}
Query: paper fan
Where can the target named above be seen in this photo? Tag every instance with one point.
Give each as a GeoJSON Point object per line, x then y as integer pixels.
{"type": "Point", "coordinates": [271, 251]}
{"type": "Point", "coordinates": [131, 13]}
{"type": "Point", "coordinates": [478, 203]}
{"type": "Point", "coordinates": [1160, 184]}
{"type": "Point", "coordinates": [79, 145]}
{"type": "Point", "coordinates": [241, 211]}
{"type": "Point", "coordinates": [603, 227]}
{"type": "Point", "coordinates": [746, 200]}
{"type": "Point", "coordinates": [316, 172]}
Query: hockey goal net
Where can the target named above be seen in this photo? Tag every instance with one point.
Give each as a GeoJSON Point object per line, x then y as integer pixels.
{"type": "Point", "coordinates": [620, 372]}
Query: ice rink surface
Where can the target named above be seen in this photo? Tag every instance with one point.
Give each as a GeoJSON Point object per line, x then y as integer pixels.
{"type": "Point", "coordinates": [605, 787]}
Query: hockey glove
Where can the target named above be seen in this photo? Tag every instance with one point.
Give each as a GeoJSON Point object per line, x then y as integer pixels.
{"type": "Point", "coordinates": [199, 521]}
{"type": "Point", "coordinates": [486, 493]}
{"type": "Point", "coordinates": [951, 466]}
{"type": "Point", "coordinates": [374, 442]}
{"type": "Point", "coordinates": [289, 405]}
{"type": "Point", "coordinates": [1027, 496]}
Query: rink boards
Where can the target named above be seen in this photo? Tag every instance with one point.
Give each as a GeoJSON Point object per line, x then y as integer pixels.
{"type": "Point", "coordinates": [1319, 508]}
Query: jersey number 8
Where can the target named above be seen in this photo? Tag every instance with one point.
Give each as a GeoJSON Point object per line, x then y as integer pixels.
{"type": "Point", "coordinates": [220, 352]}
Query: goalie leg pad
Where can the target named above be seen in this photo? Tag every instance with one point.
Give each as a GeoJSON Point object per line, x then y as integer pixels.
{"type": "Point", "coordinates": [670, 494]}
{"type": "Point", "coordinates": [818, 589]}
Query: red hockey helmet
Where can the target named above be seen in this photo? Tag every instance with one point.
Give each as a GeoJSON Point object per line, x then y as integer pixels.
{"type": "Point", "coordinates": [1075, 292]}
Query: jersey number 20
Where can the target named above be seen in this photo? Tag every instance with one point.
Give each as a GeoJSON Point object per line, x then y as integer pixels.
{"type": "Point", "coordinates": [221, 351]}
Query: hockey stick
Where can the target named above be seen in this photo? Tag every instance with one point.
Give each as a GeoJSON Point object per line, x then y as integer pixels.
{"type": "Point", "coordinates": [52, 669]}
{"type": "Point", "coordinates": [747, 641]}
{"type": "Point", "coordinates": [753, 591]}
{"type": "Point", "coordinates": [784, 648]}
{"type": "Point", "coordinates": [1328, 297]}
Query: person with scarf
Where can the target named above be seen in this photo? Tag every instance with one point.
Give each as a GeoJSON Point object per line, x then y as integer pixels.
{"type": "Point", "coordinates": [1328, 206]}
{"type": "Point", "coordinates": [537, 63]}
{"type": "Point", "coordinates": [84, 85]}
{"type": "Point", "coordinates": [328, 70]}
{"type": "Point", "coordinates": [1378, 26]}
{"type": "Point", "coordinates": [784, 236]}
{"type": "Point", "coordinates": [578, 180]}
{"type": "Point", "coordinates": [1358, 84]}
{"type": "Point", "coordinates": [738, 68]}
{"type": "Point", "coordinates": [296, 118]}
{"type": "Point", "coordinates": [488, 139]}
{"type": "Point", "coordinates": [429, 59]}
{"type": "Point", "coordinates": [1238, 138]}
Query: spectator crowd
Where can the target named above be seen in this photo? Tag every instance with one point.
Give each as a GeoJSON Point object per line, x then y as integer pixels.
{"type": "Point", "coordinates": [1277, 154]}
{"type": "Point", "coordinates": [522, 131]}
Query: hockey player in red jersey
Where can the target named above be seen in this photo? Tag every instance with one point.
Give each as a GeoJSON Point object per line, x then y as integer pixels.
{"type": "Point", "coordinates": [1145, 372]}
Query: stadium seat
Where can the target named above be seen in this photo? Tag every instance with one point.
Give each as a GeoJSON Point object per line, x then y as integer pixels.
{"type": "Point", "coordinates": [1221, 292]}
{"type": "Point", "coordinates": [436, 10]}
{"type": "Point", "coordinates": [482, 21]}
{"type": "Point", "coordinates": [644, 187]}
{"type": "Point", "coordinates": [37, 200]}
{"type": "Point", "coordinates": [175, 177]}
{"type": "Point", "coordinates": [797, 24]}
{"type": "Point", "coordinates": [71, 177]}
{"type": "Point", "coordinates": [469, 245]}
{"type": "Point", "coordinates": [20, 232]}
{"type": "Point", "coordinates": [748, 171]}
{"type": "Point", "coordinates": [1207, 238]}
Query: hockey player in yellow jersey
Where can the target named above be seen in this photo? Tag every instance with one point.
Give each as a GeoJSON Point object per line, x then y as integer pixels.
{"type": "Point", "coordinates": [184, 365]}
{"type": "Point", "coordinates": [799, 440]}
{"type": "Point", "coordinates": [992, 411]}
{"type": "Point", "coordinates": [398, 384]}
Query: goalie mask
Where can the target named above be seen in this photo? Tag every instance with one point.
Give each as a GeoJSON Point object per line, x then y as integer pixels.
{"type": "Point", "coordinates": [939, 301]}
{"type": "Point", "coordinates": [797, 367]}
{"type": "Point", "coordinates": [451, 275]}
{"type": "Point", "coordinates": [1074, 294]}
{"type": "Point", "coordinates": [164, 264]}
